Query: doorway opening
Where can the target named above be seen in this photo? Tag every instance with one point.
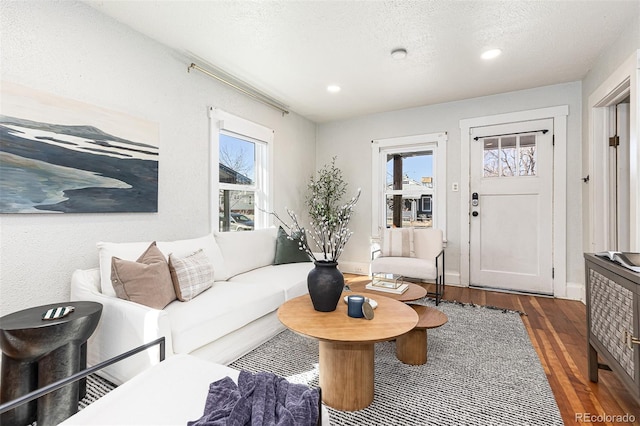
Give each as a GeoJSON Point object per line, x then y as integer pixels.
{"type": "Point", "coordinates": [603, 231]}
{"type": "Point", "coordinates": [610, 172]}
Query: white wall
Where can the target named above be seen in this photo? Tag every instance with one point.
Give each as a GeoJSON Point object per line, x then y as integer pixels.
{"type": "Point", "coordinates": [350, 140]}
{"type": "Point", "coordinates": [627, 43]}
{"type": "Point", "coordinates": [70, 50]}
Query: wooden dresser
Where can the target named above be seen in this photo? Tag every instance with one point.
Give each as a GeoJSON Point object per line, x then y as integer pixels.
{"type": "Point", "coordinates": [613, 320]}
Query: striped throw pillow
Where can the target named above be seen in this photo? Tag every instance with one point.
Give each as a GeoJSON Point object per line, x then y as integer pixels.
{"type": "Point", "coordinates": [397, 242]}
{"type": "Point", "coordinates": [191, 275]}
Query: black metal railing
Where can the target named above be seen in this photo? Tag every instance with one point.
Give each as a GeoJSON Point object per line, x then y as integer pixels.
{"type": "Point", "coordinates": [80, 375]}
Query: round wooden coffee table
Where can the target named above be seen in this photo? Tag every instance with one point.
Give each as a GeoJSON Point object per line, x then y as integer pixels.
{"type": "Point", "coordinates": [346, 345]}
{"type": "Point", "coordinates": [414, 292]}
{"type": "Point", "coordinates": [411, 347]}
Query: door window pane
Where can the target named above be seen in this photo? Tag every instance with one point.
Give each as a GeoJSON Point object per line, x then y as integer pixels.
{"type": "Point", "coordinates": [508, 156]}
{"type": "Point", "coordinates": [527, 166]}
{"type": "Point", "coordinates": [491, 163]}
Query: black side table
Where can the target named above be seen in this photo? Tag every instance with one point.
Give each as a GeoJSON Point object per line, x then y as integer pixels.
{"type": "Point", "coordinates": [37, 352]}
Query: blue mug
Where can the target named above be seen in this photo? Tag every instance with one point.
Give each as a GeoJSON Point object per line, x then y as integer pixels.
{"type": "Point", "coordinates": [354, 306]}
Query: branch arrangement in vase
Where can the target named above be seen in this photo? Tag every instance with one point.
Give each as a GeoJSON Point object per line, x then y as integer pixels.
{"type": "Point", "coordinates": [329, 230]}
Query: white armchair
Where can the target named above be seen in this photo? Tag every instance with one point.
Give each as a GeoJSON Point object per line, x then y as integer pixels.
{"type": "Point", "coordinates": [412, 253]}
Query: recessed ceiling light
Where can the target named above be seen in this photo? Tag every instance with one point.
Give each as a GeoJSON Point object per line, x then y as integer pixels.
{"type": "Point", "coordinates": [491, 53]}
{"type": "Point", "coordinates": [333, 88]}
{"type": "Point", "coordinates": [399, 53]}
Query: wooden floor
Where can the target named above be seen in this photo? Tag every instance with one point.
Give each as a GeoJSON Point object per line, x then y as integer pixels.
{"type": "Point", "coordinates": [557, 329]}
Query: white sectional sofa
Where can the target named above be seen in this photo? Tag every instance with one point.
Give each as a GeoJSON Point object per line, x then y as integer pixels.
{"type": "Point", "coordinates": [237, 314]}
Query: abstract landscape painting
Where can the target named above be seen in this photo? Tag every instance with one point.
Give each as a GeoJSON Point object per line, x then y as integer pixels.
{"type": "Point", "coordinates": [58, 155]}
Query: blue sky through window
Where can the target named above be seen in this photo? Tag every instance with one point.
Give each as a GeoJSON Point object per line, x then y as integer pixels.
{"type": "Point", "coordinates": [416, 167]}
{"type": "Point", "coordinates": [238, 154]}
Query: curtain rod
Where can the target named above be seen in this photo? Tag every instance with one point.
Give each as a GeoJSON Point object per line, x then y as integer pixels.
{"type": "Point", "coordinates": [249, 92]}
{"type": "Point", "coordinates": [544, 131]}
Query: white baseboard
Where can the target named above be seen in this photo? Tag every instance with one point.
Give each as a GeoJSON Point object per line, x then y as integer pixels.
{"type": "Point", "coordinates": [354, 268]}
{"type": "Point", "coordinates": [576, 291]}
{"type": "Point", "coordinates": [452, 278]}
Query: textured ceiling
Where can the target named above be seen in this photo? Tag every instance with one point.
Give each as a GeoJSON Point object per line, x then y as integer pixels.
{"type": "Point", "coordinates": [292, 50]}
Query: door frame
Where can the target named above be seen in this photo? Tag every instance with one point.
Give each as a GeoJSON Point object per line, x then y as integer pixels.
{"type": "Point", "coordinates": [559, 115]}
{"type": "Point", "coordinates": [622, 82]}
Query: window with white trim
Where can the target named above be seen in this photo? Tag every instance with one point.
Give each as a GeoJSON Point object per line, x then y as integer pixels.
{"type": "Point", "coordinates": [409, 182]}
{"type": "Point", "coordinates": [240, 169]}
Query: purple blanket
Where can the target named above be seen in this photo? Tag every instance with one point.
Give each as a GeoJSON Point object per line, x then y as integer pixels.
{"type": "Point", "coordinates": [259, 399]}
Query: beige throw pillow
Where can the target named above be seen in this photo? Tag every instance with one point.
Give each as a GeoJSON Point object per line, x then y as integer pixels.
{"type": "Point", "coordinates": [146, 281]}
{"type": "Point", "coordinates": [191, 274]}
{"type": "Point", "coordinates": [397, 242]}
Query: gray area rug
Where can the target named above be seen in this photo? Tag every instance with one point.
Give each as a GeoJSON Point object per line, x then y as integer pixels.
{"type": "Point", "coordinates": [481, 370]}
{"type": "Point", "coordinates": [97, 387]}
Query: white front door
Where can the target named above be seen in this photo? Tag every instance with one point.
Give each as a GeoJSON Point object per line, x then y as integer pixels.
{"type": "Point", "coordinates": [511, 222]}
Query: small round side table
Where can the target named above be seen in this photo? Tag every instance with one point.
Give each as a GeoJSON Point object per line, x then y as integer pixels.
{"type": "Point", "coordinates": [411, 347]}
{"type": "Point", "coordinates": [37, 352]}
{"type": "Point", "coordinates": [414, 292]}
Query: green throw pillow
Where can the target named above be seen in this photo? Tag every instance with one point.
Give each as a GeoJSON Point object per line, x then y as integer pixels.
{"type": "Point", "coordinates": [288, 251]}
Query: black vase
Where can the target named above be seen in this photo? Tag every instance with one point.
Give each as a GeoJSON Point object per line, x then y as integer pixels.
{"type": "Point", "coordinates": [325, 283]}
